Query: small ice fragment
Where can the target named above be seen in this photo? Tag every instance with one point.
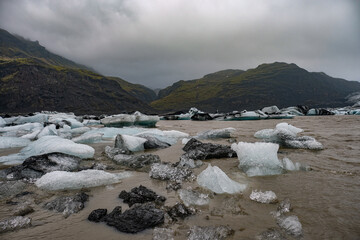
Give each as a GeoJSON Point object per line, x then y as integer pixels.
{"type": "Point", "coordinates": [263, 197]}
{"type": "Point", "coordinates": [217, 181]}
{"type": "Point", "coordinates": [291, 225]}
{"type": "Point", "coordinates": [14, 223]}
{"type": "Point", "coordinates": [190, 197]}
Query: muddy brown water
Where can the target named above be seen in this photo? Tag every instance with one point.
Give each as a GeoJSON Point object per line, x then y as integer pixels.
{"type": "Point", "coordinates": [326, 199]}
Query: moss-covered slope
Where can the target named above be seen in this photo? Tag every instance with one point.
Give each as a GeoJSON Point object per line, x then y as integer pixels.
{"type": "Point", "coordinates": [278, 84]}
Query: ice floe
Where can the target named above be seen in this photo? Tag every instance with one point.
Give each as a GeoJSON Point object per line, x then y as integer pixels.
{"type": "Point", "coordinates": [61, 180]}
{"type": "Point", "coordinates": [216, 180]}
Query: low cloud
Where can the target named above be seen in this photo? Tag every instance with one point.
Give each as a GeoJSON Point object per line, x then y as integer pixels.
{"type": "Point", "coordinates": [158, 42]}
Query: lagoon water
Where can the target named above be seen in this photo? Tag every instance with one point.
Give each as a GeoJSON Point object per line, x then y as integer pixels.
{"type": "Point", "coordinates": [325, 199]}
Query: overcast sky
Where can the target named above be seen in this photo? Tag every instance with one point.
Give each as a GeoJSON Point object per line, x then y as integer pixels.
{"type": "Point", "coordinates": [159, 42]}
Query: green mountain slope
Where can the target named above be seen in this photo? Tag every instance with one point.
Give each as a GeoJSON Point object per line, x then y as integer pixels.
{"type": "Point", "coordinates": [278, 84]}
{"type": "Point", "coordinates": [34, 79]}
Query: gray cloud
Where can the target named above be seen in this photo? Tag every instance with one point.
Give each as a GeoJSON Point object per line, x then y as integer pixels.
{"type": "Point", "coordinates": [158, 42]}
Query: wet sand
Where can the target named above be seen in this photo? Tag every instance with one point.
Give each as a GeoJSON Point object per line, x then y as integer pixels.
{"type": "Point", "coordinates": [325, 199]}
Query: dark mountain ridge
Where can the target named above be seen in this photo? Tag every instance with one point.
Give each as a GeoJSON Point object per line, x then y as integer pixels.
{"type": "Point", "coordinates": [34, 79]}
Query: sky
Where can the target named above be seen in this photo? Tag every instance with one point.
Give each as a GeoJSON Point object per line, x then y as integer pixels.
{"type": "Point", "coordinates": [159, 42]}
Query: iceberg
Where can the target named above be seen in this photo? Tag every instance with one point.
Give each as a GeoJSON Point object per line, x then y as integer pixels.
{"type": "Point", "coordinates": [216, 180]}
{"type": "Point", "coordinates": [216, 133]}
{"type": "Point", "coordinates": [73, 123]}
{"type": "Point", "coordinates": [19, 130]}
{"type": "Point", "coordinates": [48, 131]}
{"type": "Point", "coordinates": [88, 138]}
{"type": "Point", "coordinates": [258, 159]}
{"type": "Point", "coordinates": [286, 135]}
{"type": "Point", "coordinates": [33, 134]}
{"type": "Point", "coordinates": [2, 122]}
{"type": "Point", "coordinates": [271, 110]}
{"type": "Point", "coordinates": [13, 142]}
{"type": "Point", "coordinates": [263, 197]}
{"type": "Point", "coordinates": [122, 120]}
{"type": "Point", "coordinates": [39, 118]}
{"type": "Point", "coordinates": [80, 130]}
{"type": "Point", "coordinates": [190, 197]}
{"type": "Point", "coordinates": [51, 144]}
{"type": "Point", "coordinates": [62, 180]}
{"type": "Point", "coordinates": [133, 144]}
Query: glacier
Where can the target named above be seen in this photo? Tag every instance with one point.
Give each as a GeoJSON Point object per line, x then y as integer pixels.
{"type": "Point", "coordinates": [62, 180]}
{"type": "Point", "coordinates": [216, 180]}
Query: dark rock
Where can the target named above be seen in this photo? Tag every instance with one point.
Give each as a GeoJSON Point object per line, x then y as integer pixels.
{"type": "Point", "coordinates": [210, 232]}
{"type": "Point", "coordinates": [153, 143]}
{"type": "Point", "coordinates": [201, 117]}
{"type": "Point", "coordinates": [197, 150]}
{"type": "Point", "coordinates": [179, 210]}
{"type": "Point", "coordinates": [68, 204]}
{"type": "Point", "coordinates": [140, 194]}
{"type": "Point", "coordinates": [97, 215]}
{"type": "Point", "coordinates": [36, 166]}
{"type": "Point", "coordinates": [136, 161]}
{"type": "Point", "coordinates": [136, 219]}
{"type": "Point", "coordinates": [114, 213]}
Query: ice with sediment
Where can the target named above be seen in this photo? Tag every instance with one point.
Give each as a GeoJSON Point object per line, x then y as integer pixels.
{"type": "Point", "coordinates": [50, 144]}
{"type": "Point", "coordinates": [286, 135]}
{"type": "Point", "coordinates": [263, 197]}
{"type": "Point", "coordinates": [62, 180]}
{"type": "Point", "coordinates": [14, 223]}
{"type": "Point", "coordinates": [13, 142]}
{"type": "Point", "coordinates": [216, 180]}
{"type": "Point", "coordinates": [190, 197]}
{"type": "Point", "coordinates": [216, 133]}
{"type": "Point", "coordinates": [291, 225]}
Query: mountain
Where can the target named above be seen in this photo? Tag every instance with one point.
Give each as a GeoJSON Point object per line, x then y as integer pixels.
{"type": "Point", "coordinates": [277, 83]}
{"type": "Point", "coordinates": [34, 79]}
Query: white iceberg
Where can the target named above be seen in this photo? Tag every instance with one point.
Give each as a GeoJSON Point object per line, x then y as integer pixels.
{"type": "Point", "coordinates": [62, 180]}
{"type": "Point", "coordinates": [48, 131]}
{"type": "Point", "coordinates": [271, 110]}
{"type": "Point", "coordinates": [263, 197]}
{"type": "Point", "coordinates": [39, 118]}
{"type": "Point", "coordinates": [133, 144]}
{"type": "Point", "coordinates": [217, 181]}
{"type": "Point", "coordinates": [33, 135]}
{"type": "Point", "coordinates": [216, 133]}
{"type": "Point", "coordinates": [286, 135]}
{"type": "Point", "coordinates": [190, 197]}
{"type": "Point", "coordinates": [19, 130]}
{"type": "Point", "coordinates": [258, 159]}
{"type": "Point", "coordinates": [51, 144]}
{"type": "Point", "coordinates": [2, 122]}
{"type": "Point", "coordinates": [88, 138]}
{"type": "Point", "coordinates": [13, 142]}
{"type": "Point", "coordinates": [170, 137]}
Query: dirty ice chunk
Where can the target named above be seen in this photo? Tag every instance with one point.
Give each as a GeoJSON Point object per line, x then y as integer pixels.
{"type": "Point", "coordinates": [216, 133]}
{"type": "Point", "coordinates": [14, 223]}
{"type": "Point", "coordinates": [217, 181]}
{"type": "Point", "coordinates": [62, 180]}
{"type": "Point", "coordinates": [291, 225]}
{"type": "Point", "coordinates": [263, 197]}
{"type": "Point", "coordinates": [190, 197]}
{"type": "Point", "coordinates": [133, 144]}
